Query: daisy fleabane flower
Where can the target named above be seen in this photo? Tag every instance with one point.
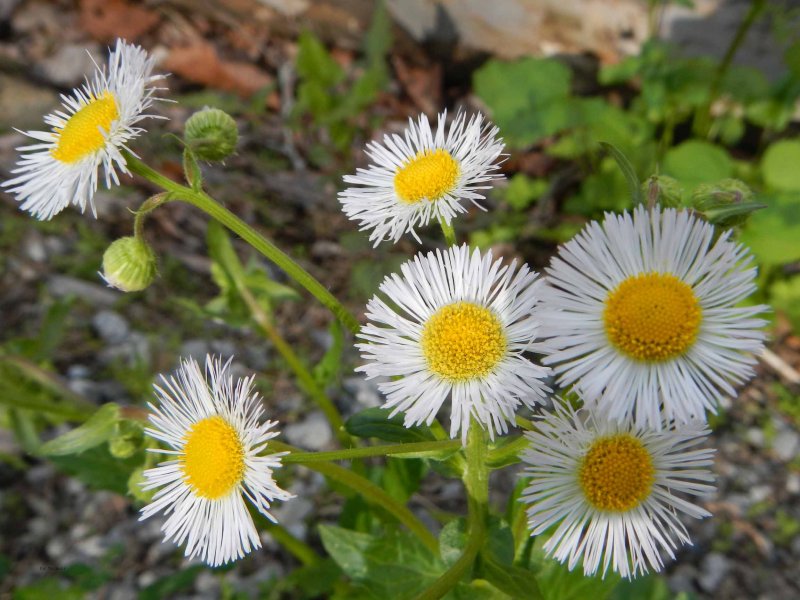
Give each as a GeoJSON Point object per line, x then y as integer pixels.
{"type": "Point", "coordinates": [423, 176]}
{"type": "Point", "coordinates": [90, 131]}
{"type": "Point", "coordinates": [210, 424]}
{"type": "Point", "coordinates": [455, 325]}
{"type": "Point", "coordinates": [641, 314]}
{"type": "Point", "coordinates": [612, 493]}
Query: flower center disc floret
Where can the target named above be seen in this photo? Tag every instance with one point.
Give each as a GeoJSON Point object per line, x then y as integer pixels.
{"type": "Point", "coordinates": [213, 458]}
{"type": "Point", "coordinates": [652, 317]}
{"type": "Point", "coordinates": [428, 176]}
{"type": "Point", "coordinates": [84, 132]}
{"type": "Point", "coordinates": [617, 473]}
{"type": "Point", "coordinates": [463, 341]}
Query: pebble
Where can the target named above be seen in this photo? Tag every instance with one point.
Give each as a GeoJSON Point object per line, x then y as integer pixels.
{"type": "Point", "coordinates": [110, 326]}
{"type": "Point", "coordinates": [313, 432]}
{"type": "Point", "coordinates": [786, 445]}
{"type": "Point", "coordinates": [365, 392]}
{"type": "Point", "coordinates": [68, 66]}
{"type": "Point", "coordinates": [292, 514]}
{"type": "Point", "coordinates": [682, 579]}
{"type": "Point", "coordinates": [95, 294]}
{"type": "Point", "coordinates": [760, 493]}
{"type": "Point", "coordinates": [793, 483]}
{"type": "Point", "coordinates": [755, 437]}
{"type": "Point", "coordinates": [713, 570]}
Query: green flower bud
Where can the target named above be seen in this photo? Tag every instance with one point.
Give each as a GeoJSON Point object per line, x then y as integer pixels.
{"type": "Point", "coordinates": [127, 439]}
{"type": "Point", "coordinates": [211, 134]}
{"type": "Point", "coordinates": [663, 190]}
{"type": "Point", "coordinates": [136, 484]}
{"type": "Point", "coordinates": [129, 265]}
{"type": "Point", "coordinates": [726, 203]}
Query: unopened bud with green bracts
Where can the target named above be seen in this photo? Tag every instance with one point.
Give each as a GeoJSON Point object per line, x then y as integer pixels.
{"type": "Point", "coordinates": [211, 134]}
{"type": "Point", "coordinates": [129, 264]}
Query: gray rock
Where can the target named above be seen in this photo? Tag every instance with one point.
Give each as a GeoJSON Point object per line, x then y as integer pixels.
{"type": "Point", "coordinates": [110, 326]}
{"type": "Point", "coordinates": [68, 66]}
{"type": "Point", "coordinates": [755, 437]}
{"type": "Point", "coordinates": [786, 445]}
{"type": "Point", "coordinates": [714, 568]}
{"type": "Point", "coordinates": [314, 432]}
{"type": "Point", "coordinates": [62, 286]}
{"type": "Point", "coordinates": [133, 350]}
{"type": "Point", "coordinates": [78, 372]}
{"type": "Point", "coordinates": [6, 7]}
{"type": "Point", "coordinates": [760, 493]}
{"type": "Point", "coordinates": [23, 105]}
{"type": "Point", "coordinates": [292, 514]}
{"type": "Point", "coordinates": [196, 349]}
{"type": "Point", "coordinates": [365, 392]}
{"type": "Point", "coordinates": [682, 579]}
{"type": "Point", "coordinates": [793, 483]}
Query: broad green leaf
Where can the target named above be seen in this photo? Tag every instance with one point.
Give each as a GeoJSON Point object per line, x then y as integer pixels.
{"type": "Point", "coordinates": [452, 540]}
{"type": "Point", "coordinates": [779, 167]}
{"type": "Point", "coordinates": [522, 191]}
{"type": "Point", "coordinates": [651, 587]}
{"type": "Point", "coordinates": [556, 582]}
{"type": "Point", "coordinates": [785, 298]}
{"type": "Point", "coordinates": [517, 582]}
{"type": "Point", "coordinates": [773, 233]}
{"type": "Point", "coordinates": [402, 477]}
{"type": "Point", "coordinates": [96, 430]}
{"type": "Point", "coordinates": [392, 565]}
{"type": "Point", "coordinates": [527, 98]}
{"type": "Point", "coordinates": [625, 166]}
{"type": "Point", "coordinates": [313, 581]}
{"type": "Point", "coordinates": [375, 422]}
{"type": "Point", "coordinates": [695, 161]}
{"type": "Point", "coordinates": [98, 469]}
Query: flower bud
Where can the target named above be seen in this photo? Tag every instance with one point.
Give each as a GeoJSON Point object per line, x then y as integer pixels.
{"type": "Point", "coordinates": [663, 190]}
{"type": "Point", "coordinates": [129, 265]}
{"type": "Point", "coordinates": [726, 203]}
{"type": "Point", "coordinates": [211, 134]}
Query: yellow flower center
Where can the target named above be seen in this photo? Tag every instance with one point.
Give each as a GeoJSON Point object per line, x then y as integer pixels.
{"type": "Point", "coordinates": [463, 341]}
{"type": "Point", "coordinates": [427, 176]}
{"type": "Point", "coordinates": [652, 317]}
{"type": "Point", "coordinates": [83, 132]}
{"type": "Point", "coordinates": [213, 458]}
{"type": "Point", "coordinates": [617, 473]}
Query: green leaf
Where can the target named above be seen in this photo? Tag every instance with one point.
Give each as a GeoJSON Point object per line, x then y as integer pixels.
{"type": "Point", "coordinates": [378, 42]}
{"type": "Point", "coordinates": [96, 430]}
{"type": "Point", "coordinates": [773, 233]}
{"type": "Point", "coordinates": [522, 191]}
{"type": "Point", "coordinates": [559, 583]}
{"type": "Point", "coordinates": [392, 565]}
{"type": "Point", "coordinates": [169, 586]}
{"type": "Point", "coordinates": [779, 166]}
{"type": "Point", "coordinates": [452, 541]}
{"type": "Point", "coordinates": [651, 587]}
{"type": "Point", "coordinates": [375, 422]}
{"type": "Point", "coordinates": [634, 185]}
{"type": "Point", "coordinates": [326, 370]}
{"type": "Point", "coordinates": [785, 298]}
{"type": "Point", "coordinates": [402, 477]}
{"type": "Point", "coordinates": [695, 161]}
{"type": "Point", "coordinates": [315, 63]}
{"type": "Point", "coordinates": [527, 98]}
{"type": "Point", "coordinates": [191, 170]}
{"type": "Point", "coordinates": [98, 469]}
{"type": "Point", "coordinates": [315, 580]}
{"type": "Point", "coordinates": [514, 581]}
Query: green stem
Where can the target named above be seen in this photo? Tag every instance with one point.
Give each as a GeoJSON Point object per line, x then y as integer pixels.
{"type": "Point", "coordinates": [499, 456]}
{"type": "Point", "coordinates": [449, 232]}
{"type": "Point", "coordinates": [476, 481]}
{"type": "Point", "coordinates": [145, 209]}
{"type": "Point", "coordinates": [702, 121]}
{"type": "Point", "coordinates": [234, 267]}
{"type": "Point", "coordinates": [298, 548]}
{"type": "Point", "coordinates": [371, 493]}
{"type": "Point", "coordinates": [204, 202]}
{"type": "Point", "coordinates": [384, 450]}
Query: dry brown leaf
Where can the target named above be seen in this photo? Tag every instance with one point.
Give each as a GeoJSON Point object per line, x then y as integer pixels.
{"type": "Point", "coordinates": [200, 63]}
{"type": "Point", "coordinates": [423, 85]}
{"type": "Point", "coordinates": [106, 20]}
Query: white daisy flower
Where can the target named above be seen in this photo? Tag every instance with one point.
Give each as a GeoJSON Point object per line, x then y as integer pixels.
{"type": "Point", "coordinates": [92, 129]}
{"type": "Point", "coordinates": [458, 326]}
{"type": "Point", "coordinates": [422, 176]}
{"type": "Point", "coordinates": [608, 491]}
{"type": "Point", "coordinates": [211, 426]}
{"type": "Point", "coordinates": [641, 313]}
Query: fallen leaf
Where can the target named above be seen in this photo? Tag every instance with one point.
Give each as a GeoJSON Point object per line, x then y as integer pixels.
{"type": "Point", "coordinates": [423, 85]}
{"type": "Point", "coordinates": [106, 20]}
{"type": "Point", "coordinates": [199, 62]}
